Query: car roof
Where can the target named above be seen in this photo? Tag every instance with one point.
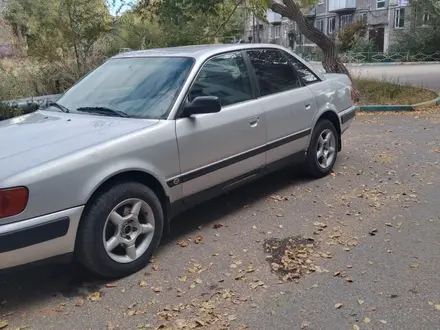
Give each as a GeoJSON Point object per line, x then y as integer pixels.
{"type": "Point", "coordinates": [197, 51]}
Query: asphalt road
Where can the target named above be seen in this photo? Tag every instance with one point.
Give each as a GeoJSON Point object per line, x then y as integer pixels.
{"type": "Point", "coordinates": [374, 261]}
{"type": "Point", "coordinates": [427, 75]}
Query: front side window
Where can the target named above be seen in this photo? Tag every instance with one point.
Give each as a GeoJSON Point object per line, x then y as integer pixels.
{"type": "Point", "coordinates": [399, 18]}
{"type": "Point", "coordinates": [139, 87]}
{"type": "Point", "coordinates": [224, 76]}
{"type": "Point", "coordinates": [273, 71]}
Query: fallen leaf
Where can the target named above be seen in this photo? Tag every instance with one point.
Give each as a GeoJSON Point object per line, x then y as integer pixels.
{"type": "Point", "coordinates": [339, 305]}
{"type": "Point", "coordinates": [198, 239]}
{"type": "Point", "coordinates": [437, 307]}
{"type": "Point", "coordinates": [198, 281]}
{"type": "Point", "coordinates": [182, 244]}
{"type": "Point", "coordinates": [232, 317]}
{"type": "Point", "coordinates": [346, 248]}
{"type": "Point", "coordinates": [367, 320]}
{"type": "Point", "coordinates": [389, 224]}
{"type": "Point", "coordinates": [96, 296]}
{"type": "Point", "coordinates": [414, 266]}
{"type": "Point", "coordinates": [217, 225]}
{"type": "Point", "coordinates": [111, 285]}
{"type": "Point", "coordinates": [355, 327]}
{"type": "Point", "coordinates": [142, 284]}
{"type": "Point", "coordinates": [349, 279]}
{"type": "Point", "coordinates": [3, 324]}
{"type": "Point", "coordinates": [373, 232]}
{"type": "Point", "coordinates": [304, 324]}
{"type": "Point", "coordinates": [360, 301]}
{"type": "Point", "coordinates": [383, 321]}
{"type": "Point", "coordinates": [79, 303]}
{"type": "Point", "coordinates": [430, 303]}
{"type": "Point", "coordinates": [156, 289]}
{"type": "Point", "coordinates": [155, 268]}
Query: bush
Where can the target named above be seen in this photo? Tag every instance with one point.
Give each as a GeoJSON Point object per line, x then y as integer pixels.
{"type": "Point", "coordinates": [7, 111]}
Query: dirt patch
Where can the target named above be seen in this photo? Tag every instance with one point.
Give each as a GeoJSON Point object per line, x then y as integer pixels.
{"type": "Point", "coordinates": [293, 257]}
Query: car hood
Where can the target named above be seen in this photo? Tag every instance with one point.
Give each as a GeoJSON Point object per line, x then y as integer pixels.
{"type": "Point", "coordinates": [30, 140]}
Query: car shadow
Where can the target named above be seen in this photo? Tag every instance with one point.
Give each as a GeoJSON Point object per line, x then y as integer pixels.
{"type": "Point", "coordinates": [21, 289]}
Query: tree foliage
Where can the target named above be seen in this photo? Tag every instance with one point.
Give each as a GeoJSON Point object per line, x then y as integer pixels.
{"type": "Point", "coordinates": [58, 29]}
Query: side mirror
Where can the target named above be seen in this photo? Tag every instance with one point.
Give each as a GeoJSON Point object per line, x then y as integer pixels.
{"type": "Point", "coordinates": [202, 104]}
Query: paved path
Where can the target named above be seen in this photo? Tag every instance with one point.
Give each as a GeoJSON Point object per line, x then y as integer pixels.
{"type": "Point", "coordinates": [375, 223]}
{"type": "Point", "coordinates": [418, 75]}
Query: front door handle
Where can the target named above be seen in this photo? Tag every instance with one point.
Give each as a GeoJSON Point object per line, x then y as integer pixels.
{"type": "Point", "coordinates": [307, 106]}
{"type": "Point", "coordinates": [254, 121]}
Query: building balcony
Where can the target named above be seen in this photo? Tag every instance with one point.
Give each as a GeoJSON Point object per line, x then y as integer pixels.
{"type": "Point", "coordinates": [273, 18]}
{"type": "Point", "coordinates": [341, 5]}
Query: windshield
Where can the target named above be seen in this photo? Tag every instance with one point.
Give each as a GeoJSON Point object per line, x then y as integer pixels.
{"type": "Point", "coordinates": [139, 87]}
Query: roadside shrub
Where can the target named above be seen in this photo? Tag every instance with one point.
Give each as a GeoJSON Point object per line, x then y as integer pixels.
{"type": "Point", "coordinates": [7, 111]}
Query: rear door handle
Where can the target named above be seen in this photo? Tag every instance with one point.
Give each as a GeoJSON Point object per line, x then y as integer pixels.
{"type": "Point", "coordinates": [254, 121]}
{"type": "Point", "coordinates": [307, 106]}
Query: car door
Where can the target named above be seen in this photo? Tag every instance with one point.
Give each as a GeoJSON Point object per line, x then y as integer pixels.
{"type": "Point", "coordinates": [222, 148]}
{"type": "Point", "coordinates": [288, 103]}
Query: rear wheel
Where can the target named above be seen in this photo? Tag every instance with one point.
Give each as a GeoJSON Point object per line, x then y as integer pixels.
{"type": "Point", "coordinates": [120, 230]}
{"type": "Point", "coordinates": [323, 149]}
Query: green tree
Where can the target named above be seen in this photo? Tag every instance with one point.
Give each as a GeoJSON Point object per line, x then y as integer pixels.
{"type": "Point", "coordinates": [291, 9]}
{"type": "Point", "coordinates": [57, 29]}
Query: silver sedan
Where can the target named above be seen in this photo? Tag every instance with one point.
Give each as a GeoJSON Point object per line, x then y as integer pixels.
{"type": "Point", "coordinates": [98, 175]}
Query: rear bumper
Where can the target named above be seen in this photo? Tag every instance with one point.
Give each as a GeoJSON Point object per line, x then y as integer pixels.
{"type": "Point", "coordinates": [38, 238]}
{"type": "Point", "coordinates": [346, 117]}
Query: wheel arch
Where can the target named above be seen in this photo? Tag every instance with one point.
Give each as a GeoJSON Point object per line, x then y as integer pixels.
{"type": "Point", "coordinates": [333, 117]}
{"type": "Point", "coordinates": [139, 176]}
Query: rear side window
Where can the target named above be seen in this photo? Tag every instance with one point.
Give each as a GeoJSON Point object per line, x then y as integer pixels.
{"type": "Point", "coordinates": [226, 77]}
{"type": "Point", "coordinates": [304, 72]}
{"type": "Point", "coordinates": [273, 71]}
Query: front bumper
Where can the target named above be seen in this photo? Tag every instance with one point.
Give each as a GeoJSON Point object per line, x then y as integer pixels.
{"type": "Point", "coordinates": [38, 238]}
{"type": "Point", "coordinates": [346, 117]}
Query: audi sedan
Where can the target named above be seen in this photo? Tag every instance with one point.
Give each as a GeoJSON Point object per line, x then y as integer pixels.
{"type": "Point", "coordinates": [97, 175]}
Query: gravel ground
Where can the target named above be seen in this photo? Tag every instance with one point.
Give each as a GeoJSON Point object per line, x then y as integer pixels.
{"type": "Point", "coordinates": [358, 249]}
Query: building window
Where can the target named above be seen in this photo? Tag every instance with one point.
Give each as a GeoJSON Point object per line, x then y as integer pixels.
{"type": "Point", "coordinates": [399, 18]}
{"type": "Point", "coordinates": [277, 31]}
{"type": "Point", "coordinates": [422, 18]}
{"type": "Point", "coordinates": [344, 20]}
{"type": "Point", "coordinates": [380, 4]}
{"type": "Point", "coordinates": [331, 25]}
{"type": "Point", "coordinates": [319, 24]}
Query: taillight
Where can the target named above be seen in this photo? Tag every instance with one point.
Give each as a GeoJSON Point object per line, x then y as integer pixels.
{"type": "Point", "coordinates": [13, 201]}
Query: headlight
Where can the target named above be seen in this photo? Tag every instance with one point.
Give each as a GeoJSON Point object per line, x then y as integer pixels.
{"type": "Point", "coordinates": [13, 201]}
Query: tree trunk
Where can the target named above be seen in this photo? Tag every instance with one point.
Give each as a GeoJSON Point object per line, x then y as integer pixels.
{"type": "Point", "coordinates": [291, 10]}
{"type": "Point", "coordinates": [331, 63]}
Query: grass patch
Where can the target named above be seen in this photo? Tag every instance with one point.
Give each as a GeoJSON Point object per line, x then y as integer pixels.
{"type": "Point", "coordinates": [391, 93]}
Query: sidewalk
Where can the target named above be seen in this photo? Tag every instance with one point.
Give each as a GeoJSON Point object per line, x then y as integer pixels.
{"type": "Point", "coordinates": [382, 63]}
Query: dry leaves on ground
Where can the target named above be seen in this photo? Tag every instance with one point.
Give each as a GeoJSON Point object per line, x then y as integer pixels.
{"type": "Point", "coordinates": [293, 257]}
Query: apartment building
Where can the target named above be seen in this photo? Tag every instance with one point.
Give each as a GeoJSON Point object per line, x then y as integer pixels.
{"type": "Point", "coordinates": [384, 19]}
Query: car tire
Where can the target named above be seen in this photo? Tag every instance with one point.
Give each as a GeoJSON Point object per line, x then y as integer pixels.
{"type": "Point", "coordinates": [113, 241]}
{"type": "Point", "coordinates": [323, 149]}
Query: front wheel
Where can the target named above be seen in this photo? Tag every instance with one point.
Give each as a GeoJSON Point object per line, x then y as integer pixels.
{"type": "Point", "coordinates": [120, 230]}
{"type": "Point", "coordinates": [323, 149]}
